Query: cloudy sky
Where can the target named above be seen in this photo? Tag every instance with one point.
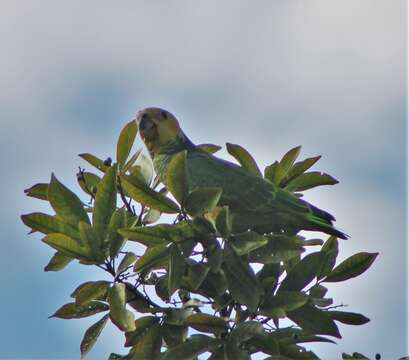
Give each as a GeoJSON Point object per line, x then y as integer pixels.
{"type": "Point", "coordinates": [269, 75]}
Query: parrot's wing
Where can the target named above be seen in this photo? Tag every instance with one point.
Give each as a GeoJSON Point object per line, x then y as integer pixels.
{"type": "Point", "coordinates": [241, 189]}
{"type": "Point", "coordinates": [256, 202]}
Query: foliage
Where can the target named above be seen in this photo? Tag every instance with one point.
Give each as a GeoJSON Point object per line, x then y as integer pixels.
{"type": "Point", "coordinates": [223, 293]}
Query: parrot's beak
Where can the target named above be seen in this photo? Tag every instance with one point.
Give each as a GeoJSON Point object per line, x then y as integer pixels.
{"type": "Point", "coordinates": [147, 129]}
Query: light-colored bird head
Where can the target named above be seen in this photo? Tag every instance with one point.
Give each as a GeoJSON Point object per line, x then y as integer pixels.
{"type": "Point", "coordinates": [158, 128]}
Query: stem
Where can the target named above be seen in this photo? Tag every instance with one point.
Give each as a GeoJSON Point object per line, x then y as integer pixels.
{"type": "Point", "coordinates": [123, 198]}
{"type": "Point", "coordinates": [139, 222]}
{"type": "Point", "coordinates": [88, 190]}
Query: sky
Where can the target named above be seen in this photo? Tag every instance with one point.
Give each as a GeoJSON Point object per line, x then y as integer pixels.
{"type": "Point", "coordinates": [269, 75]}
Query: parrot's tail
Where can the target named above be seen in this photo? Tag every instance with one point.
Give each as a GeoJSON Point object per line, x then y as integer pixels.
{"type": "Point", "coordinates": [311, 217]}
{"type": "Point", "coordinates": [320, 223]}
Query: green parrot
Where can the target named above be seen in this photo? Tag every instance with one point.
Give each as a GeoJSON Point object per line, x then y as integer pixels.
{"type": "Point", "coordinates": [254, 203]}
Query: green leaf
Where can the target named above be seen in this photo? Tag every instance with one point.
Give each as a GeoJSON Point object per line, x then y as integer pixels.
{"type": "Point", "coordinates": [91, 241]}
{"type": "Point", "coordinates": [57, 225]}
{"type": "Point", "coordinates": [310, 180]}
{"type": "Point", "coordinates": [113, 240]}
{"type": "Point", "coordinates": [299, 168]}
{"type": "Point", "coordinates": [139, 301]}
{"type": "Point", "coordinates": [149, 235]}
{"type": "Point", "coordinates": [312, 242]}
{"type": "Point", "coordinates": [213, 284]}
{"type": "Point", "coordinates": [58, 262]}
{"type": "Point", "coordinates": [272, 172]}
{"type": "Point", "coordinates": [148, 346]}
{"type": "Point", "coordinates": [91, 290]}
{"type": "Point", "coordinates": [47, 224]}
{"type": "Point", "coordinates": [224, 222]}
{"type": "Point", "coordinates": [233, 352]}
{"type": "Point", "coordinates": [318, 291]}
{"type": "Point", "coordinates": [177, 177]}
{"type": "Point", "coordinates": [302, 273]}
{"type": "Point", "coordinates": [295, 352]}
{"type": "Point", "coordinates": [125, 142]}
{"type": "Point", "coordinates": [321, 302]}
{"type": "Point", "coordinates": [202, 200]}
{"type": "Point", "coordinates": [178, 316]}
{"type": "Point", "coordinates": [352, 267]}
{"type": "Point", "coordinates": [349, 318]}
{"type": "Point", "coordinates": [266, 343]}
{"type": "Point", "coordinates": [196, 274]}
{"type": "Point", "coordinates": [173, 334]}
{"type": "Point", "coordinates": [209, 148]}
{"type": "Point", "coordinates": [161, 288]}
{"type": "Point", "coordinates": [215, 259]}
{"type": "Point", "coordinates": [217, 354]}
{"type": "Point", "coordinates": [193, 346]}
{"type": "Point", "coordinates": [289, 158]}
{"type": "Point", "coordinates": [278, 171]}
{"type": "Point", "coordinates": [314, 321]}
{"type": "Point", "coordinates": [143, 171]}
{"type": "Point", "coordinates": [246, 330]}
{"type": "Point", "coordinates": [120, 316]}
{"type": "Point", "coordinates": [152, 257]}
{"type": "Point", "coordinates": [67, 246]}
{"type": "Point", "coordinates": [356, 355]}
{"type": "Point", "coordinates": [151, 216]}
{"type": "Point", "coordinates": [330, 244]}
{"type": "Point", "coordinates": [283, 301]}
{"type": "Point", "coordinates": [268, 276]}
{"type": "Point", "coordinates": [91, 336]}
{"type": "Point", "coordinates": [176, 269]}
{"type": "Point", "coordinates": [145, 195]}
{"type": "Point", "coordinates": [141, 325]}
{"type": "Point", "coordinates": [279, 248]}
{"type": "Point", "coordinates": [65, 203]}
{"type": "Point", "coordinates": [128, 260]}
{"type": "Point", "coordinates": [330, 251]}
{"type": "Point", "coordinates": [94, 161]}
{"type": "Point", "coordinates": [244, 158]}
{"type": "Point", "coordinates": [38, 191]}
{"type": "Point", "coordinates": [105, 203]}
{"type": "Point", "coordinates": [88, 182]}
{"type": "Point", "coordinates": [203, 226]}
{"type": "Point", "coordinates": [298, 336]}
{"type": "Point", "coordinates": [242, 282]}
{"type": "Point", "coordinates": [114, 356]}
{"type": "Point", "coordinates": [206, 323]}
{"type": "Point", "coordinates": [246, 242]}
{"type": "Point", "coordinates": [73, 311]}
{"type": "Point", "coordinates": [131, 161]}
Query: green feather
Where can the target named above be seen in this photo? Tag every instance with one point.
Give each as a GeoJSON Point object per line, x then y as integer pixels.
{"type": "Point", "coordinates": [254, 202]}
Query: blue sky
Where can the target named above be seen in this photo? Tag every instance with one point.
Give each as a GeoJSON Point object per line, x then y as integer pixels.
{"type": "Point", "coordinates": [329, 75]}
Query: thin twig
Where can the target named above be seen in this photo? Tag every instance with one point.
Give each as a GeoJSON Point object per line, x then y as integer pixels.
{"type": "Point", "coordinates": [335, 307]}
{"type": "Point", "coordinates": [123, 198]}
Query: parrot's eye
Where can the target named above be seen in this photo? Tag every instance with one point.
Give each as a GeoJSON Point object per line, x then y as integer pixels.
{"type": "Point", "coordinates": [164, 114]}
{"type": "Point", "coordinates": [144, 117]}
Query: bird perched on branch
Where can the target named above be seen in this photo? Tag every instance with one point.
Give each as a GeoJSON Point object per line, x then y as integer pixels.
{"type": "Point", "coordinates": [254, 202]}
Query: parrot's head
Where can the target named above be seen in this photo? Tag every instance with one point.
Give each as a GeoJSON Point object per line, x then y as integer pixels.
{"type": "Point", "coordinates": [158, 128]}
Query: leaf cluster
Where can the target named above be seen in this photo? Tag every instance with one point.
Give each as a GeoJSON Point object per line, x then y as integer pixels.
{"type": "Point", "coordinates": [221, 292]}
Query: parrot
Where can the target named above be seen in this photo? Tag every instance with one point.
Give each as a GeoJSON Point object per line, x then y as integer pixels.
{"type": "Point", "coordinates": [254, 203]}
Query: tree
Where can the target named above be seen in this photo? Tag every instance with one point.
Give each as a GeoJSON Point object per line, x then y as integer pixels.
{"type": "Point", "coordinates": [195, 285]}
